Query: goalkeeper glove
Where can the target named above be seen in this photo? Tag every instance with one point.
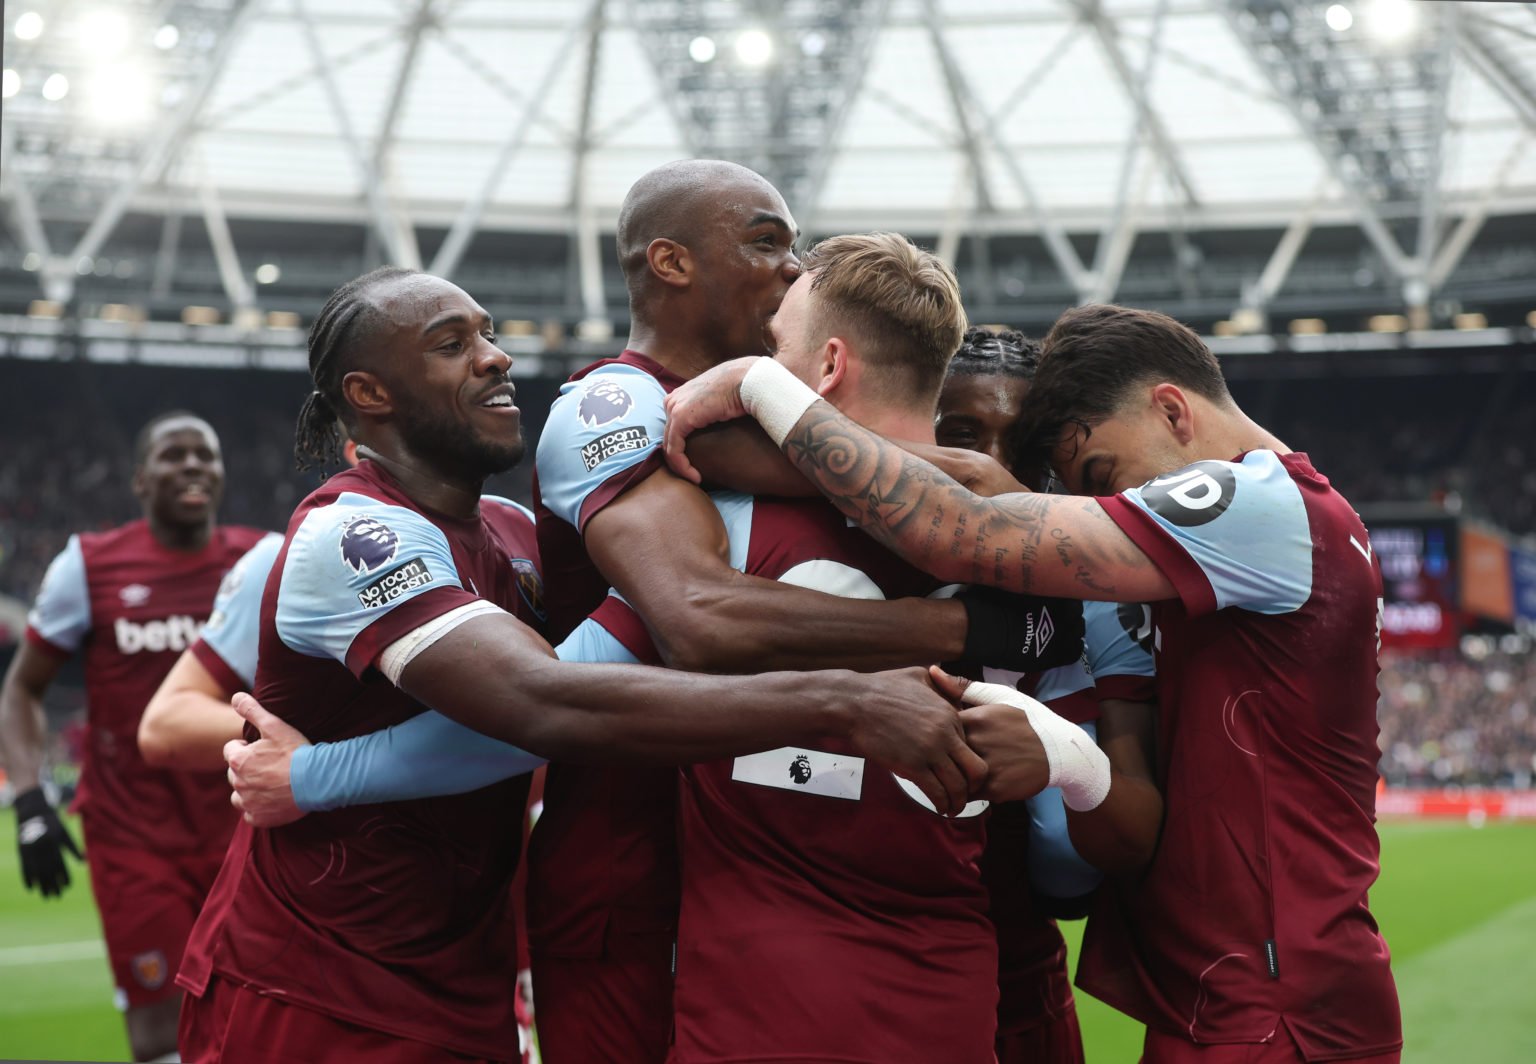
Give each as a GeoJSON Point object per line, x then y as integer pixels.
{"type": "Point", "coordinates": [42, 838]}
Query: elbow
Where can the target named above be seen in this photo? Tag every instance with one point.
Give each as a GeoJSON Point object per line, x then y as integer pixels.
{"type": "Point", "coordinates": [700, 638]}
{"type": "Point", "coordinates": [155, 745]}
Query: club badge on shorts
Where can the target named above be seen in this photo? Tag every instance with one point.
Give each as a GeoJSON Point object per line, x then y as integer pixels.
{"type": "Point", "coordinates": [150, 969]}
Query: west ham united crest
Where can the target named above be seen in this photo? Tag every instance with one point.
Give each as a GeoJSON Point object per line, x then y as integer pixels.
{"type": "Point", "coordinates": [529, 585]}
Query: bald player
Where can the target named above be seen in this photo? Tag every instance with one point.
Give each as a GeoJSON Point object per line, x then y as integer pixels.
{"type": "Point", "coordinates": [130, 600]}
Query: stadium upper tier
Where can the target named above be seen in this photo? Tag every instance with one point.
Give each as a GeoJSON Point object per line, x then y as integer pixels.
{"type": "Point", "coordinates": [1218, 158]}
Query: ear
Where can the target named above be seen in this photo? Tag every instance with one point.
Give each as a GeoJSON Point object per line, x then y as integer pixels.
{"type": "Point", "coordinates": [1174, 407]}
{"type": "Point", "coordinates": [367, 393]}
{"type": "Point", "coordinates": [670, 261]}
{"type": "Point", "coordinates": [140, 484]}
{"type": "Point", "coordinates": [833, 366]}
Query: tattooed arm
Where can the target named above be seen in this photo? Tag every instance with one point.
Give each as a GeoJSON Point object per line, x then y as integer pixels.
{"type": "Point", "coordinates": [1057, 545]}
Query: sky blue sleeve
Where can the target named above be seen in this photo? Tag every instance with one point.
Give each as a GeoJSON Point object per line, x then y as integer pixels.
{"type": "Point", "coordinates": [1244, 524]}
{"type": "Point", "coordinates": [1055, 868]}
{"type": "Point", "coordinates": [61, 615]}
{"type": "Point", "coordinates": [351, 563]}
{"type": "Point", "coordinates": [428, 755]}
{"type": "Point", "coordinates": [1114, 641]}
{"type": "Point", "coordinates": [233, 631]}
{"type": "Point", "coordinates": [599, 427]}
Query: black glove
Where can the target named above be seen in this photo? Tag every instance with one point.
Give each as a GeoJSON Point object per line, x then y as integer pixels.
{"type": "Point", "coordinates": [1021, 633]}
{"type": "Point", "coordinates": [42, 839]}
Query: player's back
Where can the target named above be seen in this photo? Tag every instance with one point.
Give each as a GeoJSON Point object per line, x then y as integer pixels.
{"type": "Point", "coordinates": [392, 916]}
{"type": "Point", "coordinates": [132, 605]}
{"type": "Point", "coordinates": [826, 914]}
{"type": "Point", "coordinates": [1253, 912]}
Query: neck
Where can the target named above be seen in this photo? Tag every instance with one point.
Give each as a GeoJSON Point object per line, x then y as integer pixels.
{"type": "Point", "coordinates": [894, 423]}
{"type": "Point", "coordinates": [425, 485]}
{"type": "Point", "coordinates": [678, 354]}
{"type": "Point", "coordinates": [1237, 433]}
{"type": "Point", "coordinates": [180, 537]}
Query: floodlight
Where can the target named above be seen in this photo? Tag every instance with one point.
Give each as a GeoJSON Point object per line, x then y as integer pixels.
{"type": "Point", "coordinates": [702, 49]}
{"type": "Point", "coordinates": [121, 94]}
{"type": "Point", "coordinates": [1339, 18]}
{"type": "Point", "coordinates": [754, 48]}
{"type": "Point", "coordinates": [29, 26]}
{"type": "Point", "coordinates": [104, 31]}
{"type": "Point", "coordinates": [32, 263]}
{"type": "Point", "coordinates": [268, 273]}
{"type": "Point", "coordinates": [166, 37]}
{"type": "Point", "coordinates": [56, 87]}
{"type": "Point", "coordinates": [10, 83]}
{"type": "Point", "coordinates": [1392, 21]}
{"type": "Point", "coordinates": [813, 44]}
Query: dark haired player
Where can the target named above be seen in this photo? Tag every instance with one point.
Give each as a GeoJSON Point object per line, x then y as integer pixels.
{"type": "Point", "coordinates": [131, 600]}
{"type": "Point", "coordinates": [1030, 868]}
{"type": "Point", "coordinates": [382, 932]}
{"type": "Point", "coordinates": [1247, 936]}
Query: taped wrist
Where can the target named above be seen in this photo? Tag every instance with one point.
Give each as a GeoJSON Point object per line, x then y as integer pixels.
{"type": "Point", "coordinates": [1077, 765]}
{"type": "Point", "coordinates": [775, 397]}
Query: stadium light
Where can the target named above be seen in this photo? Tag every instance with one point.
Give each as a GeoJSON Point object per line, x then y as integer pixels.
{"type": "Point", "coordinates": [121, 94]}
{"type": "Point", "coordinates": [29, 26]}
{"type": "Point", "coordinates": [56, 87]}
{"type": "Point", "coordinates": [10, 83]}
{"type": "Point", "coordinates": [166, 37]}
{"type": "Point", "coordinates": [1392, 21]}
{"type": "Point", "coordinates": [813, 44]}
{"type": "Point", "coordinates": [268, 273]}
{"type": "Point", "coordinates": [701, 49]}
{"type": "Point", "coordinates": [518, 327]}
{"type": "Point", "coordinates": [199, 316]}
{"type": "Point", "coordinates": [1387, 323]}
{"type": "Point", "coordinates": [1339, 18]}
{"type": "Point", "coordinates": [283, 319]}
{"type": "Point", "coordinates": [754, 48]}
{"type": "Point", "coordinates": [45, 308]}
{"type": "Point", "coordinates": [104, 32]}
{"type": "Point", "coordinates": [1308, 326]}
{"type": "Point", "coordinates": [1470, 321]}
{"type": "Point", "coordinates": [84, 265]}
{"type": "Point", "coordinates": [32, 263]}
{"type": "Point", "coordinates": [1530, 319]}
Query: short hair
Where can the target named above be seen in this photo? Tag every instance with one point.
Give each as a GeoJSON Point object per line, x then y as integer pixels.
{"type": "Point", "coordinates": [901, 303]}
{"type": "Point", "coordinates": [145, 437]}
{"type": "Point", "coordinates": [996, 352]}
{"type": "Point", "coordinates": [348, 322]}
{"type": "Point", "coordinates": [1095, 356]}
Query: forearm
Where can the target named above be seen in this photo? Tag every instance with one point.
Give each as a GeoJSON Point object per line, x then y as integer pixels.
{"type": "Point", "coordinates": [738, 455]}
{"type": "Point", "coordinates": [23, 735]}
{"type": "Point", "coordinates": [187, 730]}
{"type": "Point", "coordinates": [1121, 834]}
{"type": "Point", "coordinates": [749, 624]}
{"type": "Point", "coordinates": [426, 756]}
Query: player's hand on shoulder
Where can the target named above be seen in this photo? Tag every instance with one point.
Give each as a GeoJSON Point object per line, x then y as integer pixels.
{"type": "Point", "coordinates": [42, 839]}
{"type": "Point", "coordinates": [711, 397]}
{"type": "Point", "coordinates": [1021, 633]}
{"type": "Point", "coordinates": [902, 721]}
{"type": "Point", "coordinates": [261, 772]}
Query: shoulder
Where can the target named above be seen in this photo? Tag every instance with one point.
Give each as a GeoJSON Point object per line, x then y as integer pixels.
{"type": "Point", "coordinates": [1203, 491]}
{"type": "Point", "coordinates": [507, 510]}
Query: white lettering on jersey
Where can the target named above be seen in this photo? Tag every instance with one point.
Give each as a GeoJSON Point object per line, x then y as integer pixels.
{"type": "Point", "coordinates": [173, 633]}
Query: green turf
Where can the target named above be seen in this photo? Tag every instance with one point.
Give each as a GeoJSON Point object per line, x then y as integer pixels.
{"type": "Point", "coordinates": [1458, 906]}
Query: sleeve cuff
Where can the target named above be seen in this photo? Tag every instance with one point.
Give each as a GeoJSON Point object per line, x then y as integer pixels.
{"type": "Point", "coordinates": [617, 485]}
{"type": "Point", "coordinates": [225, 676]}
{"type": "Point", "coordinates": [402, 620]}
{"type": "Point", "coordinates": [1183, 572]}
{"type": "Point", "coordinates": [42, 643]}
{"type": "Point", "coordinates": [1126, 688]}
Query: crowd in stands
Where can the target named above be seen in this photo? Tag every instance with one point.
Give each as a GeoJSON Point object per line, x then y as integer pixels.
{"type": "Point", "coordinates": [66, 431]}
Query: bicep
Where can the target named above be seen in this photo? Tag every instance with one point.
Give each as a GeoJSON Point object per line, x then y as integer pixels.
{"type": "Point", "coordinates": [655, 572]}
{"type": "Point", "coordinates": [1065, 546]}
{"type": "Point", "coordinates": [33, 669]}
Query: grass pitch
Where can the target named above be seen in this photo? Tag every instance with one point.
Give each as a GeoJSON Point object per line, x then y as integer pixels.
{"type": "Point", "coordinates": [1457, 904]}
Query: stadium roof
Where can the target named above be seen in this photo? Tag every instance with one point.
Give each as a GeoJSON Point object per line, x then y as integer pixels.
{"type": "Point", "coordinates": [947, 116]}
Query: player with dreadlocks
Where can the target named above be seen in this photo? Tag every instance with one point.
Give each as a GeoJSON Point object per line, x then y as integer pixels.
{"type": "Point", "coordinates": [382, 932]}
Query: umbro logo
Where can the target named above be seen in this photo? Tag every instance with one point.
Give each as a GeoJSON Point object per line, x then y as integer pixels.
{"type": "Point", "coordinates": [134, 595]}
{"type": "Point", "coordinates": [1039, 633]}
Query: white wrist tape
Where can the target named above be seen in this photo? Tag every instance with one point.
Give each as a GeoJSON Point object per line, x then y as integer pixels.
{"type": "Point", "coordinates": [776, 397]}
{"type": "Point", "coordinates": [400, 653]}
{"type": "Point", "coordinates": [1077, 765]}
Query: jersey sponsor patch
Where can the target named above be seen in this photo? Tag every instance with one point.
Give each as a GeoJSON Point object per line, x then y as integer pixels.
{"type": "Point", "coordinates": [173, 633]}
{"type": "Point", "coordinates": [1136, 619]}
{"type": "Point", "coordinates": [619, 441]}
{"type": "Point", "coordinates": [603, 401]}
{"type": "Point", "coordinates": [793, 768]}
{"type": "Point", "coordinates": [367, 544]}
{"type": "Point", "coordinates": [395, 583]}
{"type": "Point", "coordinates": [1194, 495]}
